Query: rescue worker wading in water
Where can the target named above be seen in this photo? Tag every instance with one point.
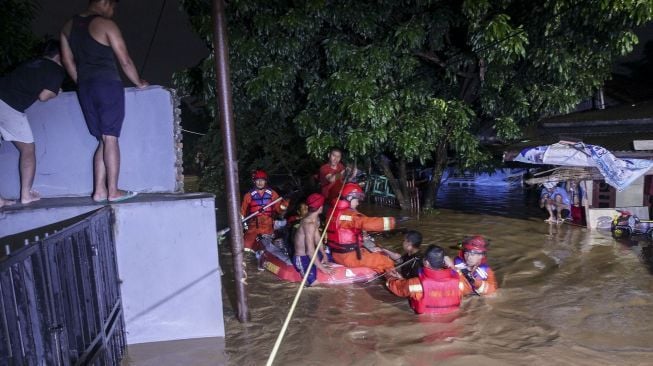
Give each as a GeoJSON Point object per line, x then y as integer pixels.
{"type": "Point", "coordinates": [476, 277]}
{"type": "Point", "coordinates": [345, 232]}
{"type": "Point", "coordinates": [435, 290]}
{"type": "Point", "coordinates": [254, 201]}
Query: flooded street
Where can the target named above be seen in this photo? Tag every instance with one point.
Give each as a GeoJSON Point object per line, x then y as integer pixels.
{"type": "Point", "coordinates": [568, 296]}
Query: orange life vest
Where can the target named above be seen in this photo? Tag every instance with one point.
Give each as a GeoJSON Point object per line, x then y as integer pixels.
{"type": "Point", "coordinates": [341, 240]}
{"type": "Point", "coordinates": [440, 290]}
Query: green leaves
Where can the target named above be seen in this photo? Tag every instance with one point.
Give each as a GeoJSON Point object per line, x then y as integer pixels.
{"type": "Point", "coordinates": [410, 35]}
{"type": "Point", "coordinates": [411, 79]}
{"type": "Point", "coordinates": [17, 40]}
{"type": "Point", "coordinates": [626, 42]}
{"type": "Point", "coordinates": [500, 42]}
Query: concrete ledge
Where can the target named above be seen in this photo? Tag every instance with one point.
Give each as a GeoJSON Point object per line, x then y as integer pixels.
{"type": "Point", "coordinates": [64, 147]}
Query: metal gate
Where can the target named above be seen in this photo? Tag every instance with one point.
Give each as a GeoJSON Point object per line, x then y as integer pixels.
{"type": "Point", "coordinates": [60, 298]}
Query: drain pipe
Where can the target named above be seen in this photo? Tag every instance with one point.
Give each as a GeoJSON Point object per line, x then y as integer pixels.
{"type": "Point", "coordinates": [224, 103]}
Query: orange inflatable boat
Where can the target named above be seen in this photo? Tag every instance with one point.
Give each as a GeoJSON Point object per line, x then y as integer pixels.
{"type": "Point", "coordinates": [277, 262]}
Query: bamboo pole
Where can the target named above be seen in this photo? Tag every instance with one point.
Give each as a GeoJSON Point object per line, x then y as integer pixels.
{"type": "Point", "coordinates": [223, 99]}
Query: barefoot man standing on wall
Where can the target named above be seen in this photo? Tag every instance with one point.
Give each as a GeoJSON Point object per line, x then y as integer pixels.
{"type": "Point", "coordinates": [34, 80]}
{"type": "Point", "coordinates": [90, 44]}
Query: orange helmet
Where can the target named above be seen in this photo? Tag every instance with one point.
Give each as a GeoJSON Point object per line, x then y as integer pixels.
{"type": "Point", "coordinates": [475, 244]}
{"type": "Point", "coordinates": [315, 201]}
{"type": "Point", "coordinates": [259, 174]}
{"type": "Point", "coordinates": [351, 191]}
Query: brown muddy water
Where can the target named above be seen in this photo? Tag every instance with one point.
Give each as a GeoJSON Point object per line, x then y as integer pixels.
{"type": "Point", "coordinates": [568, 296]}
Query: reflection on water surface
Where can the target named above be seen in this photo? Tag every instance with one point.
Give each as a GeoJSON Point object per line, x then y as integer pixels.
{"type": "Point", "coordinates": [568, 296]}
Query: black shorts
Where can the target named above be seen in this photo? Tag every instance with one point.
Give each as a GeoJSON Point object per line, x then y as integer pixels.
{"type": "Point", "coordinates": [103, 105]}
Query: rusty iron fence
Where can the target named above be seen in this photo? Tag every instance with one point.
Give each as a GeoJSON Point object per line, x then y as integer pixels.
{"type": "Point", "coordinates": [60, 298]}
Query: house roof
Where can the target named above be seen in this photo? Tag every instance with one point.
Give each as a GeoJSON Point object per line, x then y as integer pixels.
{"type": "Point", "coordinates": [613, 128]}
{"type": "Point", "coordinates": [629, 114]}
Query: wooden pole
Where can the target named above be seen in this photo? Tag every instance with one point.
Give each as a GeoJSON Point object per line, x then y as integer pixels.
{"type": "Point", "coordinates": [223, 98]}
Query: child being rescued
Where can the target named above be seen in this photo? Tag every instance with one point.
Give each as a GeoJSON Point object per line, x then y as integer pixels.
{"type": "Point", "coordinates": [411, 244]}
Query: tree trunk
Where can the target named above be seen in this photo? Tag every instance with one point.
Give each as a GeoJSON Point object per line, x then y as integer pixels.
{"type": "Point", "coordinates": [438, 168]}
{"type": "Point", "coordinates": [403, 186]}
{"type": "Point", "coordinates": [400, 189]}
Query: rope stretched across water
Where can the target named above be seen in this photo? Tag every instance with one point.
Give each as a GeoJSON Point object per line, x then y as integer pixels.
{"type": "Point", "coordinates": [275, 349]}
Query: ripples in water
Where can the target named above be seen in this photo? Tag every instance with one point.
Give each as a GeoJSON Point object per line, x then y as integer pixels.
{"type": "Point", "coordinates": [568, 296]}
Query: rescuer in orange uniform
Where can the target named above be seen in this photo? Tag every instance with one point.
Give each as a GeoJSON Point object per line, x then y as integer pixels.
{"type": "Point", "coordinates": [345, 232]}
{"type": "Point", "coordinates": [436, 288]}
{"type": "Point", "coordinates": [258, 197]}
{"type": "Point", "coordinates": [476, 277]}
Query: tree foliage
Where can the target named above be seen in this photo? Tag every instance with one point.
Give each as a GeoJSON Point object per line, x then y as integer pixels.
{"type": "Point", "coordinates": [16, 38]}
{"type": "Point", "coordinates": [416, 80]}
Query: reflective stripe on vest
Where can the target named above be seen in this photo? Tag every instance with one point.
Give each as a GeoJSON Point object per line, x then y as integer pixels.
{"type": "Point", "coordinates": [258, 201]}
{"type": "Point", "coordinates": [339, 239]}
{"type": "Point", "coordinates": [479, 273]}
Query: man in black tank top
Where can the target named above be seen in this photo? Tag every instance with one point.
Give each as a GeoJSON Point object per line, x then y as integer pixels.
{"type": "Point", "coordinates": [91, 43]}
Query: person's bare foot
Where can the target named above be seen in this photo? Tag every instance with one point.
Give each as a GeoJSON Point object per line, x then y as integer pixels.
{"type": "Point", "coordinates": [4, 202]}
{"type": "Point", "coordinates": [122, 196]}
{"type": "Point", "coordinates": [32, 196]}
{"type": "Point", "coordinates": [97, 198]}
{"type": "Point", "coordinates": [550, 220]}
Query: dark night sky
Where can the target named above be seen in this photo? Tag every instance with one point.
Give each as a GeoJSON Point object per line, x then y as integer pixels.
{"type": "Point", "coordinates": [175, 46]}
{"type": "Point", "coordinates": [645, 35]}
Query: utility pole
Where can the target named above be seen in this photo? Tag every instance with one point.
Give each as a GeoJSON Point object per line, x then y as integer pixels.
{"type": "Point", "coordinates": [223, 88]}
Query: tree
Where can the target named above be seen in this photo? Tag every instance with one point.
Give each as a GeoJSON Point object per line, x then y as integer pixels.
{"type": "Point", "coordinates": [17, 40]}
{"type": "Point", "coordinates": [416, 80]}
{"type": "Point", "coordinates": [266, 136]}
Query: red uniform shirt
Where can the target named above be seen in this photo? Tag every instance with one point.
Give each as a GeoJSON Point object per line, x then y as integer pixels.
{"type": "Point", "coordinates": [325, 170]}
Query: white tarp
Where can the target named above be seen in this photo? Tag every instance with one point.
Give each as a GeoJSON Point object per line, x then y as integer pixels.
{"type": "Point", "coordinates": [618, 173]}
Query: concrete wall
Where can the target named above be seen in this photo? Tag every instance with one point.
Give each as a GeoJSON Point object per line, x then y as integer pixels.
{"type": "Point", "coordinates": [169, 269]}
{"type": "Point", "coordinates": [633, 195]}
{"type": "Point", "coordinates": [64, 147]}
{"type": "Point", "coordinates": [167, 260]}
{"type": "Point", "coordinates": [630, 199]}
{"type": "Point", "coordinates": [17, 221]}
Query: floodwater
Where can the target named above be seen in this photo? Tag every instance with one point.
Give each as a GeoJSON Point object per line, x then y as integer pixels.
{"type": "Point", "coordinates": [568, 296]}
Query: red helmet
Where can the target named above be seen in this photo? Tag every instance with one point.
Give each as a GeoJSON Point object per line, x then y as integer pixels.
{"type": "Point", "coordinates": [315, 201]}
{"type": "Point", "coordinates": [351, 191]}
{"type": "Point", "coordinates": [259, 174]}
{"type": "Point", "coordinates": [475, 244]}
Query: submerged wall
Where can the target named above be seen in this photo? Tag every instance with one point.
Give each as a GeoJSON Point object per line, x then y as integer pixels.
{"type": "Point", "coordinates": [171, 278]}
{"type": "Point", "coordinates": [167, 257]}
{"type": "Point", "coordinates": [149, 146]}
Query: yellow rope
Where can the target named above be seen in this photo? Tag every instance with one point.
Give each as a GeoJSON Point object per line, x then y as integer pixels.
{"type": "Point", "coordinates": [275, 349]}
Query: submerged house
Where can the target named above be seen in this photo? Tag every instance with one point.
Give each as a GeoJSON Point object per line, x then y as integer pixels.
{"type": "Point", "coordinates": [626, 131]}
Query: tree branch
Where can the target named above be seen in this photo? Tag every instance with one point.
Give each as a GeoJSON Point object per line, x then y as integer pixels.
{"type": "Point", "coordinates": [432, 57]}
